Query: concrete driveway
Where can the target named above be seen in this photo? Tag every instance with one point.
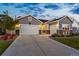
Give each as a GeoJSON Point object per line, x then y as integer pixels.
{"type": "Point", "coordinates": [36, 45]}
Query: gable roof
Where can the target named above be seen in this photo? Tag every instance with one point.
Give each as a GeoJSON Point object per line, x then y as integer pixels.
{"type": "Point", "coordinates": [58, 19]}
{"type": "Point", "coordinates": [23, 21]}
{"type": "Point", "coordinates": [28, 16]}
{"type": "Point", "coordinates": [75, 21]}
{"type": "Point", "coordinates": [1, 16]}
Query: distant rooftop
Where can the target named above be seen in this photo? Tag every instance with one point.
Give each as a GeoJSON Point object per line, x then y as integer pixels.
{"type": "Point", "coordinates": [43, 20]}
{"type": "Point", "coordinates": [2, 15]}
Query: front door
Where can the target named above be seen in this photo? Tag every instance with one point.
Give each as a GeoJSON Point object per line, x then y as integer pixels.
{"type": "Point", "coordinates": [43, 29]}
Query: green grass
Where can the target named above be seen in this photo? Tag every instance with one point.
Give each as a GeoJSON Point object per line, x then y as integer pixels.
{"type": "Point", "coordinates": [70, 41]}
{"type": "Point", "coordinates": [4, 45]}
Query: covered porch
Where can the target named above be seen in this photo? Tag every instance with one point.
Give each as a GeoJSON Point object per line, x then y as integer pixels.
{"type": "Point", "coordinates": [64, 32]}
{"type": "Point", "coordinates": [44, 28]}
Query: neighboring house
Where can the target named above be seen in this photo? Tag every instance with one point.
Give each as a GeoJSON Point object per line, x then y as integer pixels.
{"type": "Point", "coordinates": [30, 25]}
{"type": "Point", "coordinates": [78, 27]}
{"type": "Point", "coordinates": [62, 25]}
{"type": "Point", "coordinates": [75, 26]}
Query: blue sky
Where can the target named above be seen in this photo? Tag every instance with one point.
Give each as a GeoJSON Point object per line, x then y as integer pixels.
{"type": "Point", "coordinates": [41, 10]}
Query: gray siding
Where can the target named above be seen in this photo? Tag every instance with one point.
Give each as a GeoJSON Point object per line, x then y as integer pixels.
{"type": "Point", "coordinates": [34, 21]}
{"type": "Point", "coordinates": [65, 20]}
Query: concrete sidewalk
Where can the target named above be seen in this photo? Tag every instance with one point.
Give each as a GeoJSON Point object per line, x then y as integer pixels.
{"type": "Point", "coordinates": [36, 45]}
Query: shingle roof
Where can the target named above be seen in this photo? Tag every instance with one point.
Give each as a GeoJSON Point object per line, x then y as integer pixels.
{"type": "Point", "coordinates": [43, 20]}
{"type": "Point", "coordinates": [60, 19]}
{"type": "Point", "coordinates": [1, 16]}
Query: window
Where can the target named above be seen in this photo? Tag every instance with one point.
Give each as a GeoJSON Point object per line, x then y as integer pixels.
{"type": "Point", "coordinates": [29, 19]}
{"type": "Point", "coordinates": [66, 29]}
{"type": "Point", "coordinates": [65, 26]}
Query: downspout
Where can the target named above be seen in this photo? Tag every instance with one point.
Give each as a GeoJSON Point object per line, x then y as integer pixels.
{"type": "Point", "coordinates": [49, 28]}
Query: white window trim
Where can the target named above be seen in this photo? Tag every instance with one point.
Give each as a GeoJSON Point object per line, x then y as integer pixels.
{"type": "Point", "coordinates": [66, 25]}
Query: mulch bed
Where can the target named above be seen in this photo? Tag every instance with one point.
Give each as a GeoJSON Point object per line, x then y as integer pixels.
{"type": "Point", "coordinates": [8, 36]}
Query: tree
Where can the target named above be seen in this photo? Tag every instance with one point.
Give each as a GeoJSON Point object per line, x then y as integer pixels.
{"type": "Point", "coordinates": [7, 23]}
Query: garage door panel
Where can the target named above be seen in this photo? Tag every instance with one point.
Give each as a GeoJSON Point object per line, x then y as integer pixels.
{"type": "Point", "coordinates": [29, 29]}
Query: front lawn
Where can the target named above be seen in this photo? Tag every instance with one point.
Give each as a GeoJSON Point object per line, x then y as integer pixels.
{"type": "Point", "coordinates": [70, 41]}
{"type": "Point", "coordinates": [4, 45]}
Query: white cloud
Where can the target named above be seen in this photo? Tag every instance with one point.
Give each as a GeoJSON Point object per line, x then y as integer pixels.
{"type": "Point", "coordinates": [55, 13]}
{"type": "Point", "coordinates": [49, 13]}
{"type": "Point", "coordinates": [64, 10]}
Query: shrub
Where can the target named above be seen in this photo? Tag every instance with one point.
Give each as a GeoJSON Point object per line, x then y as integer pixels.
{"type": "Point", "coordinates": [56, 35]}
{"type": "Point", "coordinates": [60, 35]}
{"type": "Point", "coordinates": [75, 34]}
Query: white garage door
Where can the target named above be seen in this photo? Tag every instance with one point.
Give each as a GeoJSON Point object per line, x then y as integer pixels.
{"type": "Point", "coordinates": [29, 29]}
